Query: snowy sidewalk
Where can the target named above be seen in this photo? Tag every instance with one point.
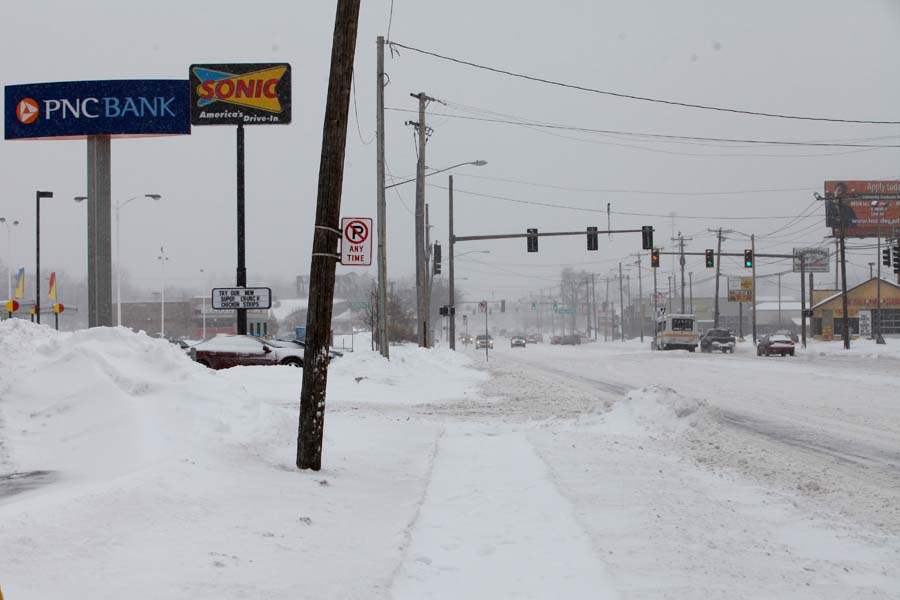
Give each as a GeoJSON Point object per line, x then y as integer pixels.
{"type": "Point", "coordinates": [493, 525]}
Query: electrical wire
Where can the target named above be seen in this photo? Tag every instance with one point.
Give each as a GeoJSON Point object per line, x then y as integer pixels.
{"type": "Point", "coordinates": [652, 136]}
{"type": "Point", "coordinates": [356, 112]}
{"type": "Point", "coordinates": [626, 96]}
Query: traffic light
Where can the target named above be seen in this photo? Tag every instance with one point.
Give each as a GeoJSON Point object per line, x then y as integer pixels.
{"type": "Point", "coordinates": [532, 239]}
{"type": "Point", "coordinates": [897, 258]}
{"type": "Point", "coordinates": [654, 258]}
{"type": "Point", "coordinates": [748, 259]}
{"type": "Point", "coordinates": [503, 306]}
{"type": "Point", "coordinates": [592, 238]}
{"type": "Point", "coordinates": [710, 258]}
{"type": "Point", "coordinates": [647, 237]}
{"type": "Point", "coordinates": [437, 258]}
{"type": "Point", "coordinates": [534, 306]}
{"type": "Point", "coordinates": [886, 257]}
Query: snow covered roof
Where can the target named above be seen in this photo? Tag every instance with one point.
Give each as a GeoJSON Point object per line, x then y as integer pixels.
{"type": "Point", "coordinates": [838, 294]}
{"type": "Point", "coordinates": [773, 306]}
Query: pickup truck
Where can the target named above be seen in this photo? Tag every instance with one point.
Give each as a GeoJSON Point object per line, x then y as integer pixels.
{"type": "Point", "coordinates": [717, 340]}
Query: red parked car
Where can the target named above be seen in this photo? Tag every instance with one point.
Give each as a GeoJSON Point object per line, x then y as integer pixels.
{"type": "Point", "coordinates": [225, 351]}
{"type": "Point", "coordinates": [775, 344]}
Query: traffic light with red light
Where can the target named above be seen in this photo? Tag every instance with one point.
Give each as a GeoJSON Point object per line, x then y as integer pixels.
{"type": "Point", "coordinates": [654, 258]}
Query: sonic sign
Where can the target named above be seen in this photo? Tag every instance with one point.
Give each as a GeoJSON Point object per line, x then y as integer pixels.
{"type": "Point", "coordinates": [241, 94]}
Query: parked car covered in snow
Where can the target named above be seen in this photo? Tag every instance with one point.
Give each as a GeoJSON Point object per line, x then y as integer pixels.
{"type": "Point", "coordinates": [225, 351]}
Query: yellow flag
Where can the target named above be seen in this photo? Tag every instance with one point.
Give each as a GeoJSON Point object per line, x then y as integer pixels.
{"type": "Point", "coordinates": [20, 284]}
{"type": "Point", "coordinates": [52, 293]}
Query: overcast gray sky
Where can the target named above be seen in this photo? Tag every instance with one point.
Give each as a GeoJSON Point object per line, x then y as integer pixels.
{"type": "Point", "coordinates": [827, 58]}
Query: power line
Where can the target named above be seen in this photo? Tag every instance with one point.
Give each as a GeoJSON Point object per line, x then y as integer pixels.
{"type": "Point", "coordinates": [636, 97]}
{"type": "Point", "coordinates": [654, 136]}
{"type": "Point", "coordinates": [603, 211]}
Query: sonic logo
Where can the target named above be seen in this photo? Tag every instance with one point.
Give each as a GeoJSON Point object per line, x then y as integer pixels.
{"type": "Point", "coordinates": [257, 89]}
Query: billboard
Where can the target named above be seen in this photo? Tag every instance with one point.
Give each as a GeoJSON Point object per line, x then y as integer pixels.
{"type": "Point", "coordinates": [815, 260]}
{"type": "Point", "coordinates": [740, 289]}
{"type": "Point", "coordinates": [871, 208]}
{"type": "Point", "coordinates": [77, 109]}
{"type": "Point", "coordinates": [233, 94]}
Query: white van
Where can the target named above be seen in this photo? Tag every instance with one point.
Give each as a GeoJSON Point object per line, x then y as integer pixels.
{"type": "Point", "coordinates": [676, 332]}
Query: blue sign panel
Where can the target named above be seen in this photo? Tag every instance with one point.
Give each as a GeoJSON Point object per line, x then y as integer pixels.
{"type": "Point", "coordinates": [113, 107]}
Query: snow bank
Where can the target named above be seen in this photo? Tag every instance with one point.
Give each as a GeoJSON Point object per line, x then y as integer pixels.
{"type": "Point", "coordinates": [658, 407]}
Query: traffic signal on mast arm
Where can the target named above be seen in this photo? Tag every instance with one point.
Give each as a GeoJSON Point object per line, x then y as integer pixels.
{"type": "Point", "coordinates": [592, 238]}
{"type": "Point", "coordinates": [647, 237]}
{"type": "Point", "coordinates": [748, 259]}
{"type": "Point", "coordinates": [654, 258]}
{"type": "Point", "coordinates": [532, 240]}
{"type": "Point", "coordinates": [710, 258]}
{"type": "Point", "coordinates": [436, 251]}
{"type": "Point", "coordinates": [886, 257]}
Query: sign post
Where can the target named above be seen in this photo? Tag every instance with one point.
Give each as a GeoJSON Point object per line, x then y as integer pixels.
{"type": "Point", "coordinates": [97, 111]}
{"type": "Point", "coordinates": [240, 94]}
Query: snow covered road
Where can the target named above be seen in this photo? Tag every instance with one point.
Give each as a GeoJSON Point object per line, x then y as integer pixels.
{"type": "Point", "coordinates": [597, 471]}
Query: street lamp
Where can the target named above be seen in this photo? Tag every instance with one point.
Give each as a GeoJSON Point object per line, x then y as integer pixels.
{"type": "Point", "coordinates": [475, 163]}
{"type": "Point", "coordinates": [9, 225]}
{"type": "Point", "coordinates": [119, 206]}
{"type": "Point", "coordinates": [38, 195]}
{"type": "Point", "coordinates": [163, 258]}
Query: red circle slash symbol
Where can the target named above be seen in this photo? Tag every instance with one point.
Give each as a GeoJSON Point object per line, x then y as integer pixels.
{"type": "Point", "coordinates": [356, 232]}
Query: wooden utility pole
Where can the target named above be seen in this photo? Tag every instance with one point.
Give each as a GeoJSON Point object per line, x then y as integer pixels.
{"type": "Point", "coordinates": [621, 304]}
{"type": "Point", "coordinates": [421, 258]}
{"type": "Point", "coordinates": [325, 237]}
{"type": "Point", "coordinates": [803, 297]}
{"type": "Point", "coordinates": [844, 275]}
{"type": "Point", "coordinates": [383, 341]}
{"type": "Point", "coordinates": [451, 284]}
{"type": "Point", "coordinates": [753, 294]}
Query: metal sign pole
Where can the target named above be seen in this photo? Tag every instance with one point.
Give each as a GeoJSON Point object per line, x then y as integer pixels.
{"type": "Point", "coordinates": [241, 255]}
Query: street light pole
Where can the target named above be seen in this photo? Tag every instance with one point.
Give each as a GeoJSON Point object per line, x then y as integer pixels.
{"type": "Point", "coordinates": [9, 263]}
{"type": "Point", "coordinates": [119, 206]}
{"type": "Point", "coordinates": [37, 271]}
{"type": "Point", "coordinates": [163, 258]}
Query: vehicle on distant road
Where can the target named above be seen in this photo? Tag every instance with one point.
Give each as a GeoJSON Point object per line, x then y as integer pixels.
{"type": "Point", "coordinates": [517, 341]}
{"type": "Point", "coordinates": [717, 340]}
{"type": "Point", "coordinates": [676, 332]}
{"type": "Point", "coordinates": [775, 344]}
{"type": "Point", "coordinates": [534, 338]}
{"type": "Point", "coordinates": [484, 341]}
{"type": "Point", "coordinates": [226, 351]}
{"type": "Point", "coordinates": [572, 339]}
{"type": "Point", "coordinates": [555, 340]}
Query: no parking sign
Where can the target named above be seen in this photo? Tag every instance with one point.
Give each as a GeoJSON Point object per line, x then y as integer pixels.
{"type": "Point", "coordinates": [356, 245]}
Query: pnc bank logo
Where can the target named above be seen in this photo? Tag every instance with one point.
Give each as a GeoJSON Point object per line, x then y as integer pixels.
{"type": "Point", "coordinates": [257, 89]}
{"type": "Point", "coordinates": [27, 111]}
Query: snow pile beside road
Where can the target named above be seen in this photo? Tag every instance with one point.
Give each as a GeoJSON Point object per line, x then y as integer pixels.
{"type": "Point", "coordinates": [658, 407]}
{"type": "Point", "coordinates": [433, 375]}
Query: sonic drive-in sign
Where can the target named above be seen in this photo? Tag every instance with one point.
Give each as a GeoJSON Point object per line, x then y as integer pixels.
{"type": "Point", "coordinates": [76, 109]}
{"type": "Point", "coordinates": [248, 94]}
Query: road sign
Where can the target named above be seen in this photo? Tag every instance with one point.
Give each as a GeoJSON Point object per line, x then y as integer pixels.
{"type": "Point", "coordinates": [815, 260]}
{"type": "Point", "coordinates": [12, 306]}
{"type": "Point", "coordinates": [566, 310]}
{"type": "Point", "coordinates": [359, 304]}
{"type": "Point", "coordinates": [241, 298]}
{"type": "Point", "coordinates": [356, 247]}
{"type": "Point", "coordinates": [58, 308]}
{"type": "Point", "coordinates": [233, 94]}
{"type": "Point", "coordinates": [740, 289]}
{"type": "Point", "coordinates": [109, 107]}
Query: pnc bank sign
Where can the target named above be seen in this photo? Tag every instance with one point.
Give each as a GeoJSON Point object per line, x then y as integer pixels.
{"type": "Point", "coordinates": [77, 109]}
